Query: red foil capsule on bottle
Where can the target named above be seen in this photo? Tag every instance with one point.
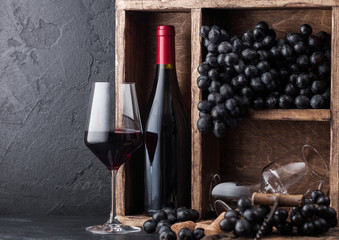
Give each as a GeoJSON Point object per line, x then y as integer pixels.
{"type": "Point", "coordinates": [165, 44]}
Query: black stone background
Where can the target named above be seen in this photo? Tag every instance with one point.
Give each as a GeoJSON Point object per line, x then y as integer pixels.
{"type": "Point", "coordinates": [50, 53]}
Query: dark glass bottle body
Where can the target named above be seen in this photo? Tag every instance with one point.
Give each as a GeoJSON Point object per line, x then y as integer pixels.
{"type": "Point", "coordinates": [167, 143]}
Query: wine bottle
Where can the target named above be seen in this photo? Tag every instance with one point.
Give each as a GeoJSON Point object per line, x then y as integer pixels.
{"type": "Point", "coordinates": [167, 142]}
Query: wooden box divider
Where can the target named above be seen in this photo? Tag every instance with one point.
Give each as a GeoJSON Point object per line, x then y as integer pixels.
{"type": "Point", "coordinates": [239, 150]}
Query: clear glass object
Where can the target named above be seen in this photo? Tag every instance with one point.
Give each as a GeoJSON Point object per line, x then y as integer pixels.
{"type": "Point", "coordinates": [113, 133]}
{"type": "Point", "coordinates": [298, 172]}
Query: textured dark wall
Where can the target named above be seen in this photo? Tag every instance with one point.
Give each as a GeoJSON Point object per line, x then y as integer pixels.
{"type": "Point", "coordinates": [50, 53]}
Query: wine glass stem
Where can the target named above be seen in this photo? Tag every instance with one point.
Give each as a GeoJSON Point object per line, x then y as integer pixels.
{"type": "Point", "coordinates": [113, 216]}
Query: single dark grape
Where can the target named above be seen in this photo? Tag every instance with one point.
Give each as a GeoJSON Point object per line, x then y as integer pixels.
{"type": "Point", "coordinates": [214, 86]}
{"type": "Point", "coordinates": [228, 224]}
{"type": "Point", "coordinates": [240, 66]}
{"type": "Point", "coordinates": [212, 48]}
{"type": "Point", "coordinates": [231, 59]}
{"type": "Point", "coordinates": [224, 47]}
{"type": "Point", "coordinates": [232, 214]}
{"type": "Point", "coordinates": [308, 210]}
{"type": "Point", "coordinates": [259, 34]}
{"type": "Point", "coordinates": [315, 194]}
{"type": "Point", "coordinates": [194, 214]}
{"type": "Point", "coordinates": [263, 55]}
{"type": "Point", "coordinates": [268, 41]}
{"type": "Point", "coordinates": [272, 102]}
{"type": "Point", "coordinates": [164, 222]}
{"type": "Point", "coordinates": [172, 218]}
{"type": "Point", "coordinates": [185, 234]}
{"type": "Point", "coordinates": [226, 91]}
{"type": "Point", "coordinates": [211, 59]}
{"type": "Point", "coordinates": [203, 82]}
{"type": "Point", "coordinates": [306, 30]}
{"type": "Point", "coordinates": [324, 68]}
{"type": "Point", "coordinates": [244, 204]}
{"type": "Point", "coordinates": [285, 102]}
{"type": "Point", "coordinates": [206, 42]}
{"type": "Point", "coordinates": [266, 78]}
{"type": "Point", "coordinates": [299, 47]}
{"type": "Point", "coordinates": [314, 42]}
{"type": "Point", "coordinates": [204, 68]}
{"type": "Point", "coordinates": [303, 61]}
{"type": "Point", "coordinates": [306, 92]}
{"type": "Point", "coordinates": [294, 68]}
{"type": "Point", "coordinates": [205, 106]}
{"type": "Point", "coordinates": [287, 50]}
{"type": "Point", "coordinates": [247, 92]}
{"type": "Point", "coordinates": [199, 233]}
{"type": "Point", "coordinates": [297, 219]}
{"type": "Point", "coordinates": [302, 102]}
{"type": "Point", "coordinates": [262, 25]}
{"type": "Point", "coordinates": [205, 124]}
{"type": "Point", "coordinates": [219, 128]}
{"type": "Point", "coordinates": [168, 235]}
{"type": "Point", "coordinates": [249, 54]}
{"type": "Point", "coordinates": [213, 74]}
{"type": "Point", "coordinates": [291, 90]}
{"type": "Point", "coordinates": [264, 209]}
{"type": "Point", "coordinates": [317, 57]}
{"type": "Point", "coordinates": [320, 225]}
{"type": "Point", "coordinates": [263, 66]}
{"type": "Point", "coordinates": [231, 104]}
{"type": "Point", "coordinates": [303, 80]}
{"type": "Point", "coordinates": [159, 215]}
{"type": "Point", "coordinates": [214, 35]}
{"type": "Point", "coordinates": [293, 38]}
{"type": "Point", "coordinates": [163, 229]}
{"type": "Point", "coordinates": [149, 226]}
{"type": "Point", "coordinates": [308, 229]}
{"type": "Point", "coordinates": [242, 228]}
{"type": "Point", "coordinates": [184, 215]}
{"type": "Point", "coordinates": [318, 101]}
{"type": "Point", "coordinates": [258, 45]}
{"type": "Point", "coordinates": [251, 71]}
{"type": "Point", "coordinates": [215, 98]}
{"type": "Point", "coordinates": [323, 200]}
{"type": "Point", "coordinates": [257, 85]}
{"type": "Point", "coordinates": [221, 59]}
{"type": "Point", "coordinates": [237, 45]}
{"type": "Point", "coordinates": [204, 30]}
{"type": "Point", "coordinates": [250, 215]}
{"type": "Point", "coordinates": [248, 36]}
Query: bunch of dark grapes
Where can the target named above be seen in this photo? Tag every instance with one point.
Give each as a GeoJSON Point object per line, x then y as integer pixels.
{"type": "Point", "coordinates": [162, 221]}
{"type": "Point", "coordinates": [315, 216]}
{"type": "Point", "coordinates": [259, 71]}
{"type": "Point", "coordinates": [246, 220]}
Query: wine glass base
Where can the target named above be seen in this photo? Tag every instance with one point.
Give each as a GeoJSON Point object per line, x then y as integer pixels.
{"type": "Point", "coordinates": [112, 228]}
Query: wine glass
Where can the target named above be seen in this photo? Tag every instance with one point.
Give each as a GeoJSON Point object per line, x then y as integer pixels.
{"type": "Point", "coordinates": [113, 133]}
{"type": "Point", "coordinates": [296, 173]}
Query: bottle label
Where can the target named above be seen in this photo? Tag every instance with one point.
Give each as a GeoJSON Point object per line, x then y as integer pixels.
{"type": "Point", "coordinates": [165, 46]}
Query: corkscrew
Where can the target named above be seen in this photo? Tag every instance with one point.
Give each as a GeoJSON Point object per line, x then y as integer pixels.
{"type": "Point", "coordinates": [275, 200]}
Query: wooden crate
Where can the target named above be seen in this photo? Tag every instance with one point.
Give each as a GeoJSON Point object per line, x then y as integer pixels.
{"type": "Point", "coordinates": [261, 137]}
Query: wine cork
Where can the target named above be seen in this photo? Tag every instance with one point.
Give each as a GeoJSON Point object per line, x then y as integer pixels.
{"type": "Point", "coordinates": [178, 226]}
{"type": "Point", "coordinates": [214, 228]}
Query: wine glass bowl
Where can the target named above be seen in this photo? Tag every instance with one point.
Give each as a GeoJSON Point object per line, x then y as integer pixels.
{"type": "Point", "coordinates": [113, 133]}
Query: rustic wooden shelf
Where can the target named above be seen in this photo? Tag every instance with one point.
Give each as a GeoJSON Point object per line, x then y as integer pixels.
{"type": "Point", "coordinates": [291, 114]}
{"type": "Point", "coordinates": [262, 136]}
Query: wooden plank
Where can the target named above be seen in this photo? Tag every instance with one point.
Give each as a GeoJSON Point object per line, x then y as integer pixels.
{"type": "Point", "coordinates": [291, 114]}
{"type": "Point", "coordinates": [334, 162]}
{"type": "Point", "coordinates": [188, 4]}
{"type": "Point", "coordinates": [119, 77]}
{"type": "Point", "coordinates": [196, 178]}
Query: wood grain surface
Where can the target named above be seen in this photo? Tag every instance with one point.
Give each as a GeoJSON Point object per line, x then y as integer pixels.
{"type": "Point", "coordinates": [263, 136]}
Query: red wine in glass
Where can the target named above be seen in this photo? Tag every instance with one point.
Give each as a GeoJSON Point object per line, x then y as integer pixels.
{"type": "Point", "coordinates": [115, 147]}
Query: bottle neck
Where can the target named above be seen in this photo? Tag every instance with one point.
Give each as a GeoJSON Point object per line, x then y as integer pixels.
{"type": "Point", "coordinates": [166, 51]}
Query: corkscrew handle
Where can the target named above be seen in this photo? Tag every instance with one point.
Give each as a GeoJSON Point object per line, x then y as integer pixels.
{"type": "Point", "coordinates": [282, 199]}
